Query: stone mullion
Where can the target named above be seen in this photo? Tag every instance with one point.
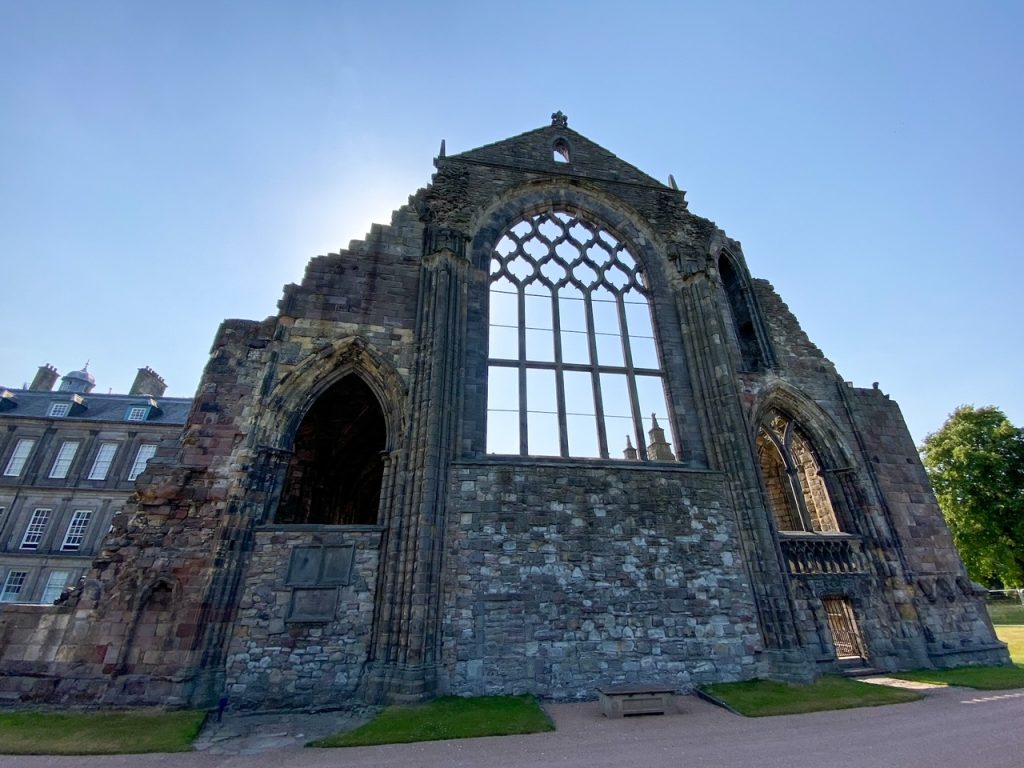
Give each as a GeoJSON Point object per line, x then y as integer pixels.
{"type": "Point", "coordinates": [524, 442]}
{"type": "Point", "coordinates": [735, 454]}
{"type": "Point", "coordinates": [634, 399]}
{"type": "Point", "coordinates": [595, 378]}
{"type": "Point", "coordinates": [563, 421]}
{"type": "Point", "coordinates": [796, 490]}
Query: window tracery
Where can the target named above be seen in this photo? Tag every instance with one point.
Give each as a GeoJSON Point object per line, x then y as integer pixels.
{"type": "Point", "coordinates": [797, 494]}
{"type": "Point", "coordinates": [573, 367]}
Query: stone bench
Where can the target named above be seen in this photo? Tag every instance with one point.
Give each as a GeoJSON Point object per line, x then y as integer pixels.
{"type": "Point", "coordinates": [638, 699]}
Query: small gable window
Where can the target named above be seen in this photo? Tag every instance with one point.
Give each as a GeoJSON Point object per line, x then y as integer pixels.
{"type": "Point", "coordinates": [137, 413]}
{"type": "Point", "coordinates": [59, 410]}
{"type": "Point", "coordinates": [560, 151]}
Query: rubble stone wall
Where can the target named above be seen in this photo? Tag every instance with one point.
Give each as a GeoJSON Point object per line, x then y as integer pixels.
{"type": "Point", "coordinates": [565, 577]}
{"type": "Point", "coordinates": [277, 657]}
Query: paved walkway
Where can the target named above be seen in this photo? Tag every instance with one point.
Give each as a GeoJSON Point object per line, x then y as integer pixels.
{"type": "Point", "coordinates": [951, 727]}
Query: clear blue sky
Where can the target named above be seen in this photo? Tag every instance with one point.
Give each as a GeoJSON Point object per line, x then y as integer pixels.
{"type": "Point", "coordinates": [164, 166]}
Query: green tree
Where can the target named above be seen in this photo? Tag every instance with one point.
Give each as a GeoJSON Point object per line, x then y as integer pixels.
{"type": "Point", "coordinates": [976, 465]}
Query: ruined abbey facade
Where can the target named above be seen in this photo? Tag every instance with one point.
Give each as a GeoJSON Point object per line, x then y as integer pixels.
{"type": "Point", "coordinates": [542, 433]}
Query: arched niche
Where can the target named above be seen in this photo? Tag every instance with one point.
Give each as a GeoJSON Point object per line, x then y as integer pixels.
{"type": "Point", "coordinates": [334, 475]}
{"type": "Point", "coordinates": [752, 356]}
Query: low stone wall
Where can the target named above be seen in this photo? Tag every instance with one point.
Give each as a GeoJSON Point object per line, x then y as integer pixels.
{"type": "Point", "coordinates": [305, 619]}
{"type": "Point", "coordinates": [562, 578]}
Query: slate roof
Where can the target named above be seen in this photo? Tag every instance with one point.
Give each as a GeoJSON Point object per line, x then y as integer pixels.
{"type": "Point", "coordinates": [97, 407]}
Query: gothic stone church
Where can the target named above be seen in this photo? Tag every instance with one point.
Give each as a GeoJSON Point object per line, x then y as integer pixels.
{"type": "Point", "coordinates": [542, 433]}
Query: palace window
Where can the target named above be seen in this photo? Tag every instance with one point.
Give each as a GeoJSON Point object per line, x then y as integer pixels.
{"type": "Point", "coordinates": [65, 456]}
{"type": "Point", "coordinates": [36, 528]}
{"type": "Point", "coordinates": [137, 413]}
{"type": "Point", "coordinates": [56, 583]}
{"type": "Point", "coordinates": [13, 585]}
{"type": "Point", "coordinates": [146, 452]}
{"type": "Point", "coordinates": [76, 530]}
{"type": "Point", "coordinates": [104, 458]}
{"type": "Point", "coordinates": [573, 366]}
{"type": "Point", "coordinates": [16, 463]}
{"type": "Point", "coordinates": [58, 410]}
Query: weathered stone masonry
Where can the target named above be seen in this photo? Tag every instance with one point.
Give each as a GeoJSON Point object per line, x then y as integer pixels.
{"type": "Point", "coordinates": [469, 572]}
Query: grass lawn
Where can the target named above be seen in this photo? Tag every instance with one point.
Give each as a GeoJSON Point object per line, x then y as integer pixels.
{"type": "Point", "coordinates": [762, 698]}
{"type": "Point", "coordinates": [1013, 636]}
{"type": "Point", "coordinates": [982, 678]}
{"type": "Point", "coordinates": [98, 733]}
{"type": "Point", "coordinates": [449, 717]}
{"type": "Point", "coordinates": [1006, 613]}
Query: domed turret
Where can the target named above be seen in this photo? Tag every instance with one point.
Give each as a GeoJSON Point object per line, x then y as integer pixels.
{"type": "Point", "coordinates": [78, 381]}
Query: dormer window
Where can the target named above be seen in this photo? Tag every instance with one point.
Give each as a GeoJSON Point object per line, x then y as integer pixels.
{"type": "Point", "coordinates": [59, 410]}
{"type": "Point", "coordinates": [7, 400]}
{"type": "Point", "coordinates": [137, 413]}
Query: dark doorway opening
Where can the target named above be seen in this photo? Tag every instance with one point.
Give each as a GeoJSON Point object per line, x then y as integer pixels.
{"type": "Point", "coordinates": [843, 626]}
{"type": "Point", "coordinates": [334, 477]}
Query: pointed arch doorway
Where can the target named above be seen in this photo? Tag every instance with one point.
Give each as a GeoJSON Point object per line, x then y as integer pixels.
{"type": "Point", "coordinates": [336, 470]}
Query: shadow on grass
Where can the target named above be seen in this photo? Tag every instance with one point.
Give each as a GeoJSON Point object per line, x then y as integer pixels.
{"type": "Point", "coordinates": [449, 717]}
{"type": "Point", "coordinates": [765, 698]}
{"type": "Point", "coordinates": [98, 733]}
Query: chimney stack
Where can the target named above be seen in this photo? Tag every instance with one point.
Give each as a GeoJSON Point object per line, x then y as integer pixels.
{"type": "Point", "coordinates": [45, 378]}
{"type": "Point", "coordinates": [148, 382]}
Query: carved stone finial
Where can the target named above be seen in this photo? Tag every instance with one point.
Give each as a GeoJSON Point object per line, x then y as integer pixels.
{"type": "Point", "coordinates": [442, 149]}
{"type": "Point", "coordinates": [659, 449]}
{"type": "Point", "coordinates": [629, 452]}
{"type": "Point", "coordinates": [559, 119]}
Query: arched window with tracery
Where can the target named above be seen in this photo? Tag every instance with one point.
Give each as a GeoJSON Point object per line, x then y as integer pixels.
{"type": "Point", "coordinates": [573, 366]}
{"type": "Point", "coordinates": [797, 493]}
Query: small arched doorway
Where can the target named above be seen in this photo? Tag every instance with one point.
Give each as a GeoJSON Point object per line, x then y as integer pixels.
{"type": "Point", "coordinates": [335, 473]}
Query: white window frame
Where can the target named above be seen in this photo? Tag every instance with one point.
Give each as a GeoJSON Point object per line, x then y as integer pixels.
{"type": "Point", "coordinates": [137, 413]}
{"type": "Point", "coordinates": [64, 459]}
{"type": "Point", "coordinates": [143, 455]}
{"type": "Point", "coordinates": [13, 584]}
{"type": "Point", "coordinates": [59, 410]}
{"type": "Point", "coordinates": [19, 457]}
{"type": "Point", "coordinates": [36, 528]}
{"type": "Point", "coordinates": [52, 591]}
{"type": "Point", "coordinates": [104, 458]}
{"type": "Point", "coordinates": [75, 534]}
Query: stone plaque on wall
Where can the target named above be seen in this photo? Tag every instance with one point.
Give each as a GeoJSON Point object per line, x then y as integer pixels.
{"type": "Point", "coordinates": [313, 604]}
{"type": "Point", "coordinates": [312, 566]}
{"type": "Point", "coordinates": [337, 565]}
{"type": "Point", "coordinates": [304, 567]}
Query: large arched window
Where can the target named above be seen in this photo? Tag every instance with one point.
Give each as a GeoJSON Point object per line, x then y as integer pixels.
{"type": "Point", "coordinates": [573, 366]}
{"type": "Point", "coordinates": [797, 493]}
